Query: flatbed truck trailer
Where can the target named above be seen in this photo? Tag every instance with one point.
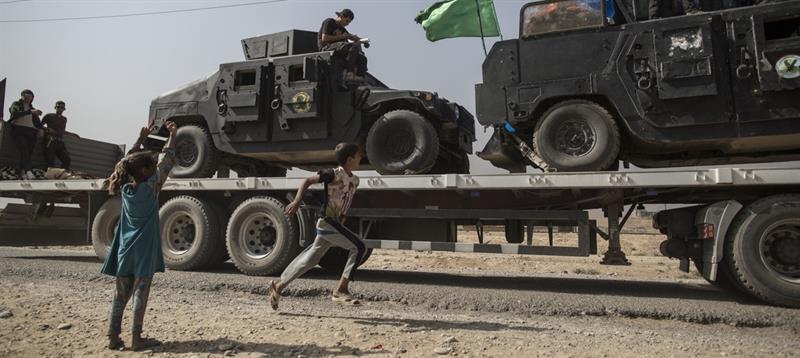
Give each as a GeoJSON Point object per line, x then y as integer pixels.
{"type": "Point", "coordinates": [740, 226]}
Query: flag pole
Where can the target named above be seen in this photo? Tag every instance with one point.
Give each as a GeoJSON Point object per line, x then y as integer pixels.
{"type": "Point", "coordinates": [480, 26]}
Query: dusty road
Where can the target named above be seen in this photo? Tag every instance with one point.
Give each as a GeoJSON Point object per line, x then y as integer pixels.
{"type": "Point", "coordinates": [415, 304]}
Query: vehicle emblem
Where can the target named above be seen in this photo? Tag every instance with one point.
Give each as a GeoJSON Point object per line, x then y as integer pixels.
{"type": "Point", "coordinates": [301, 102]}
{"type": "Point", "coordinates": [788, 67]}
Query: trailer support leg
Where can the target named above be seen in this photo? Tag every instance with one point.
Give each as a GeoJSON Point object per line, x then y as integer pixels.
{"type": "Point", "coordinates": [614, 255]}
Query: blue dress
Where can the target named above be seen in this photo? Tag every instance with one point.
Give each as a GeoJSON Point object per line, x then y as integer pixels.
{"type": "Point", "coordinates": [136, 247]}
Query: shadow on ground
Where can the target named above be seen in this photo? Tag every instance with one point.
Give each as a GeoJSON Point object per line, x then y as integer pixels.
{"type": "Point", "coordinates": [414, 325]}
{"type": "Point", "coordinates": [270, 349]}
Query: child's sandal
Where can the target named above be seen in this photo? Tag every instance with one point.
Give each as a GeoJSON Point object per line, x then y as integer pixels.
{"type": "Point", "coordinates": [115, 343]}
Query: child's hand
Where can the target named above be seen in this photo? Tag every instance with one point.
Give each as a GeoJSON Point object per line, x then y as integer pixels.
{"type": "Point", "coordinates": [144, 132]}
{"type": "Point", "coordinates": [291, 209]}
{"type": "Point", "coordinates": [171, 127]}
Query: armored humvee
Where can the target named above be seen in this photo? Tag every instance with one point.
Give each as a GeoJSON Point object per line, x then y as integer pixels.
{"type": "Point", "coordinates": [285, 106]}
{"type": "Point", "coordinates": [589, 83]}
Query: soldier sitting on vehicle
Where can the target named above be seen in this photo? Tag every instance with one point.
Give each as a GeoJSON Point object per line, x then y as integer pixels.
{"type": "Point", "coordinates": [53, 144]}
{"type": "Point", "coordinates": [333, 36]}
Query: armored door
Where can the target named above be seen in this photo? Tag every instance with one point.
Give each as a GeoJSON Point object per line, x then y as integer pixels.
{"type": "Point", "coordinates": [766, 69]}
{"type": "Point", "coordinates": [298, 100]}
{"type": "Point", "coordinates": [242, 101]}
{"type": "Point", "coordinates": [691, 78]}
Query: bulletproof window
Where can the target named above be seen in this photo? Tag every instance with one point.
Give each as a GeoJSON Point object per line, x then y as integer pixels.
{"type": "Point", "coordinates": [296, 73]}
{"type": "Point", "coordinates": [775, 29]}
{"type": "Point", "coordinates": [552, 16]}
{"type": "Point", "coordinates": [245, 78]}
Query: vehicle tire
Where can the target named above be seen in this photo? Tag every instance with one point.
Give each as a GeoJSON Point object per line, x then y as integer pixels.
{"type": "Point", "coordinates": [577, 135]}
{"type": "Point", "coordinates": [515, 231]}
{"type": "Point", "coordinates": [104, 225]}
{"type": "Point", "coordinates": [402, 142]}
{"type": "Point", "coordinates": [763, 249]}
{"type": "Point", "coordinates": [725, 280]}
{"type": "Point", "coordinates": [336, 257]}
{"type": "Point", "coordinates": [261, 240]}
{"type": "Point", "coordinates": [190, 233]}
{"type": "Point", "coordinates": [195, 153]}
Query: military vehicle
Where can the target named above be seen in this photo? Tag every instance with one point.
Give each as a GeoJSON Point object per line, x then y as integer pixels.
{"type": "Point", "coordinates": [285, 106]}
{"type": "Point", "coordinates": [585, 86]}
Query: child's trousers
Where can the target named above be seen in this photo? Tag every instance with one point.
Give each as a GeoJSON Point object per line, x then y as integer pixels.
{"type": "Point", "coordinates": [329, 233]}
{"type": "Point", "coordinates": [139, 288]}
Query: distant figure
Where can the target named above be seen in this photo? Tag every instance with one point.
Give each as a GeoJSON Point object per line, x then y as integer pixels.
{"type": "Point", "coordinates": [340, 186]}
{"type": "Point", "coordinates": [333, 36]}
{"type": "Point", "coordinates": [135, 254]}
{"type": "Point", "coordinates": [53, 144]}
{"type": "Point", "coordinates": [26, 127]}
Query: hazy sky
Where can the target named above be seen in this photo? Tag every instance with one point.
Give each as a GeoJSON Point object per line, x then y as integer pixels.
{"type": "Point", "coordinates": [108, 70]}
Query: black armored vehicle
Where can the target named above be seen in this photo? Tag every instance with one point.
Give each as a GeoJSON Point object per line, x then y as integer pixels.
{"type": "Point", "coordinates": [285, 106]}
{"type": "Point", "coordinates": [589, 83]}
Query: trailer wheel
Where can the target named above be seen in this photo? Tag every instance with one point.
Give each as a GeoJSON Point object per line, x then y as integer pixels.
{"type": "Point", "coordinates": [196, 155]}
{"type": "Point", "coordinates": [577, 135]}
{"type": "Point", "coordinates": [763, 249]}
{"type": "Point", "coordinates": [515, 231]}
{"type": "Point", "coordinates": [104, 225]}
{"type": "Point", "coordinates": [190, 233]}
{"type": "Point", "coordinates": [261, 240]}
{"type": "Point", "coordinates": [336, 257]}
{"type": "Point", "coordinates": [402, 142]}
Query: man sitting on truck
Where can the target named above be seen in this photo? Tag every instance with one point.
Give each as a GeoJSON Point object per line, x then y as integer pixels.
{"type": "Point", "coordinates": [333, 36]}
{"type": "Point", "coordinates": [53, 144]}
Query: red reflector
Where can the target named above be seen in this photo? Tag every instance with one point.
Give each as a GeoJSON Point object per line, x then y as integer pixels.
{"type": "Point", "coordinates": [708, 231]}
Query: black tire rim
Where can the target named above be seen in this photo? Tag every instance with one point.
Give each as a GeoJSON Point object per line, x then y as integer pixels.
{"type": "Point", "coordinates": [257, 236]}
{"type": "Point", "coordinates": [400, 144]}
{"type": "Point", "coordinates": [779, 249]}
{"type": "Point", "coordinates": [181, 233]}
{"type": "Point", "coordinates": [575, 137]}
{"type": "Point", "coordinates": [186, 152]}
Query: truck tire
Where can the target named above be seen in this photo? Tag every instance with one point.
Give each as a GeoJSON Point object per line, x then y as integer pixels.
{"type": "Point", "coordinates": [261, 240]}
{"type": "Point", "coordinates": [402, 142]}
{"type": "Point", "coordinates": [725, 280]}
{"type": "Point", "coordinates": [195, 153]}
{"type": "Point", "coordinates": [577, 135]}
{"type": "Point", "coordinates": [763, 249]}
{"type": "Point", "coordinates": [515, 231]}
{"type": "Point", "coordinates": [104, 225]}
{"type": "Point", "coordinates": [336, 257]}
{"type": "Point", "coordinates": [190, 233]}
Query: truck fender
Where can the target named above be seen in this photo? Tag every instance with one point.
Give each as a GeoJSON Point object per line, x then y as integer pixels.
{"type": "Point", "coordinates": [719, 215]}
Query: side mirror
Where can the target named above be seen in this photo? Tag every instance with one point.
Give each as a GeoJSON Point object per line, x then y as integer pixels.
{"type": "Point", "coordinates": [310, 69]}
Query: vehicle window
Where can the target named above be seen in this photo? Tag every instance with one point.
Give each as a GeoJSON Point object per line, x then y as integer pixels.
{"type": "Point", "coordinates": [245, 79]}
{"type": "Point", "coordinates": [544, 17]}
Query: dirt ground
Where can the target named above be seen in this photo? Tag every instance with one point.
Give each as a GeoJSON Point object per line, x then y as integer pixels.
{"type": "Point", "coordinates": [58, 304]}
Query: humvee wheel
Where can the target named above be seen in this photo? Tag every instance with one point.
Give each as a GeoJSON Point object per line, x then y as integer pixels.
{"type": "Point", "coordinates": [515, 231]}
{"type": "Point", "coordinates": [762, 249]}
{"type": "Point", "coordinates": [195, 154]}
{"type": "Point", "coordinates": [261, 240]}
{"type": "Point", "coordinates": [450, 165]}
{"type": "Point", "coordinates": [402, 142]}
{"type": "Point", "coordinates": [191, 236]}
{"type": "Point", "coordinates": [104, 225]}
{"type": "Point", "coordinates": [577, 135]}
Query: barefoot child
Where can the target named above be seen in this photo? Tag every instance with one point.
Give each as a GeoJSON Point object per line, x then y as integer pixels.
{"type": "Point", "coordinates": [340, 186]}
{"type": "Point", "coordinates": [135, 254]}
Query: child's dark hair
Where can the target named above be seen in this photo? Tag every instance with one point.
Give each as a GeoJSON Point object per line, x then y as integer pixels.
{"type": "Point", "coordinates": [345, 151]}
{"type": "Point", "coordinates": [127, 169]}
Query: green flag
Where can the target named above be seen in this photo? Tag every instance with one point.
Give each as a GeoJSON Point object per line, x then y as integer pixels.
{"type": "Point", "coordinates": [459, 18]}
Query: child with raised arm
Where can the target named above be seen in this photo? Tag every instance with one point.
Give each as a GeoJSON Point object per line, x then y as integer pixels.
{"type": "Point", "coordinates": [340, 186]}
{"type": "Point", "coordinates": [135, 254]}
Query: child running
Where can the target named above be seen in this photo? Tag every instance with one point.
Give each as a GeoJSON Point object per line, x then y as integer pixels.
{"type": "Point", "coordinates": [135, 254]}
{"type": "Point", "coordinates": [340, 186]}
